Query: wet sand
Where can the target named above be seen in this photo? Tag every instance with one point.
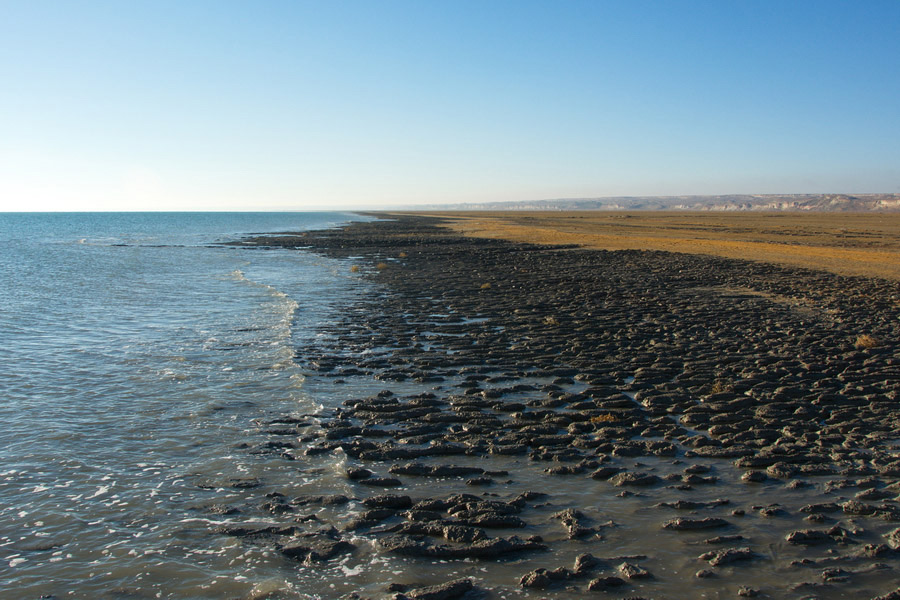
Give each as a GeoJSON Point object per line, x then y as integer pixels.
{"type": "Point", "coordinates": [539, 421]}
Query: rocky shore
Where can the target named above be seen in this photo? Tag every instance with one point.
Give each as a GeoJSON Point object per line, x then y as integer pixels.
{"type": "Point", "coordinates": [552, 422]}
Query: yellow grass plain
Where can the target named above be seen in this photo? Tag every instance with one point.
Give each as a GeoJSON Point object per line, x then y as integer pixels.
{"type": "Point", "coordinates": [858, 244]}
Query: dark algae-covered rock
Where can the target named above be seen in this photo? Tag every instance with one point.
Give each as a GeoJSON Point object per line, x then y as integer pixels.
{"type": "Point", "coordinates": [683, 524]}
{"type": "Point", "coordinates": [725, 402]}
{"type": "Point", "coordinates": [726, 557]}
{"type": "Point", "coordinates": [444, 591]}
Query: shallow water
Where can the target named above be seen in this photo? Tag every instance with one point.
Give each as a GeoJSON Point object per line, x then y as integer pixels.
{"type": "Point", "coordinates": [134, 360]}
{"type": "Point", "coordinates": [629, 529]}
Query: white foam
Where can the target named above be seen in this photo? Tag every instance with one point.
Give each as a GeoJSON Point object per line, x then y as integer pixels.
{"type": "Point", "coordinates": [100, 491]}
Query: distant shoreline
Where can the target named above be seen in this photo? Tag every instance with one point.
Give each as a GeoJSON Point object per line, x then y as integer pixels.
{"type": "Point", "coordinates": [832, 202]}
{"type": "Point", "coordinates": [864, 244]}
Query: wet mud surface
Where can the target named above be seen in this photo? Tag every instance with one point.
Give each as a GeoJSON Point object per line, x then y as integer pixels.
{"type": "Point", "coordinates": [528, 421]}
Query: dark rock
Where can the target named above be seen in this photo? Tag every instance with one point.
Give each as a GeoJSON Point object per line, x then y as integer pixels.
{"type": "Point", "coordinates": [682, 524]}
{"type": "Point", "coordinates": [782, 470]}
{"type": "Point", "coordinates": [585, 563]}
{"type": "Point", "coordinates": [318, 552]}
{"type": "Point", "coordinates": [697, 469]}
{"type": "Point", "coordinates": [602, 584]}
{"type": "Point", "coordinates": [855, 507]}
{"type": "Point", "coordinates": [542, 579]}
{"type": "Point", "coordinates": [635, 479]}
{"type": "Point", "coordinates": [692, 505]}
{"type": "Point", "coordinates": [821, 508]}
{"type": "Point", "coordinates": [246, 530]}
{"type": "Point", "coordinates": [445, 591]}
{"type": "Point", "coordinates": [492, 520]}
{"type": "Point", "coordinates": [434, 471]}
{"type": "Point", "coordinates": [476, 481]}
{"type": "Point", "coordinates": [330, 500]}
{"type": "Point", "coordinates": [772, 511]}
{"type": "Point", "coordinates": [632, 571]}
{"type": "Point", "coordinates": [411, 546]}
{"type": "Point", "coordinates": [726, 557]}
{"type": "Point", "coordinates": [389, 501]}
{"type": "Point", "coordinates": [380, 482]}
{"type": "Point", "coordinates": [835, 575]}
{"type": "Point", "coordinates": [575, 523]}
{"type": "Point", "coordinates": [358, 473]}
{"type": "Point", "coordinates": [605, 472]}
{"type": "Point", "coordinates": [245, 483]}
{"type": "Point", "coordinates": [809, 537]}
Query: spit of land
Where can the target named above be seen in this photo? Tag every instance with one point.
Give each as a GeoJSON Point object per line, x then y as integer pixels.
{"type": "Point", "coordinates": [546, 420]}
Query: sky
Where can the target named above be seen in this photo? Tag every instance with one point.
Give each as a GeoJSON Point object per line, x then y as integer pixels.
{"type": "Point", "coordinates": [296, 105]}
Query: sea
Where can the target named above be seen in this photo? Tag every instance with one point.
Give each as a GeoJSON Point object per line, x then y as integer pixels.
{"type": "Point", "coordinates": [137, 355]}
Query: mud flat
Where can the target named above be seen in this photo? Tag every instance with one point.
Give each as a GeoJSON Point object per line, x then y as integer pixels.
{"type": "Point", "coordinates": [525, 421]}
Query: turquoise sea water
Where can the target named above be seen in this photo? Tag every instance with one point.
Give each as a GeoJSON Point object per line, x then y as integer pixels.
{"type": "Point", "coordinates": [134, 354]}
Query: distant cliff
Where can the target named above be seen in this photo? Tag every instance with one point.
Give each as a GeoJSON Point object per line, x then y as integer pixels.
{"type": "Point", "coordinates": [737, 202]}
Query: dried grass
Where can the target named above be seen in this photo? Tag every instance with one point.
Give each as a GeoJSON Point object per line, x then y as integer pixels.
{"type": "Point", "coordinates": [866, 342]}
{"type": "Point", "coordinates": [607, 418]}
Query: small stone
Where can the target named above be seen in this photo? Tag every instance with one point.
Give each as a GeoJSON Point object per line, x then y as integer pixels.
{"type": "Point", "coordinates": [725, 557]}
{"type": "Point", "coordinates": [634, 478]}
{"type": "Point", "coordinates": [476, 481]}
{"type": "Point", "coordinates": [380, 482]}
{"type": "Point", "coordinates": [697, 469]}
{"type": "Point", "coordinates": [809, 537]}
{"type": "Point", "coordinates": [445, 591]}
{"type": "Point", "coordinates": [682, 524]}
{"type": "Point", "coordinates": [586, 562]}
{"type": "Point", "coordinates": [633, 571]}
{"type": "Point", "coordinates": [390, 501]}
{"type": "Point", "coordinates": [357, 473]}
{"type": "Point", "coordinates": [542, 578]}
{"type": "Point", "coordinates": [799, 484]}
{"type": "Point", "coordinates": [605, 473]}
{"type": "Point", "coordinates": [835, 575]}
{"type": "Point", "coordinates": [815, 518]}
{"type": "Point", "coordinates": [604, 583]}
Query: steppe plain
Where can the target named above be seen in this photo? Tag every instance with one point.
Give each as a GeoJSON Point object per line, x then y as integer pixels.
{"type": "Point", "coordinates": [657, 406]}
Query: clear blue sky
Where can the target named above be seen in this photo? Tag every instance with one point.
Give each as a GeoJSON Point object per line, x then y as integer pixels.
{"type": "Point", "coordinates": [308, 105]}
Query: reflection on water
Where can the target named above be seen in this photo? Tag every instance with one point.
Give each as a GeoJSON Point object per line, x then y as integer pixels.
{"type": "Point", "coordinates": [131, 378]}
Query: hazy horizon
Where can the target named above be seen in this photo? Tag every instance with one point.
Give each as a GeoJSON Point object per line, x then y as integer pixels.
{"type": "Point", "coordinates": [534, 204]}
{"type": "Point", "coordinates": [298, 106]}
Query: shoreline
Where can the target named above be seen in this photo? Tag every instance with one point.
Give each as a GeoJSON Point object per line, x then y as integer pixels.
{"type": "Point", "coordinates": [550, 420]}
